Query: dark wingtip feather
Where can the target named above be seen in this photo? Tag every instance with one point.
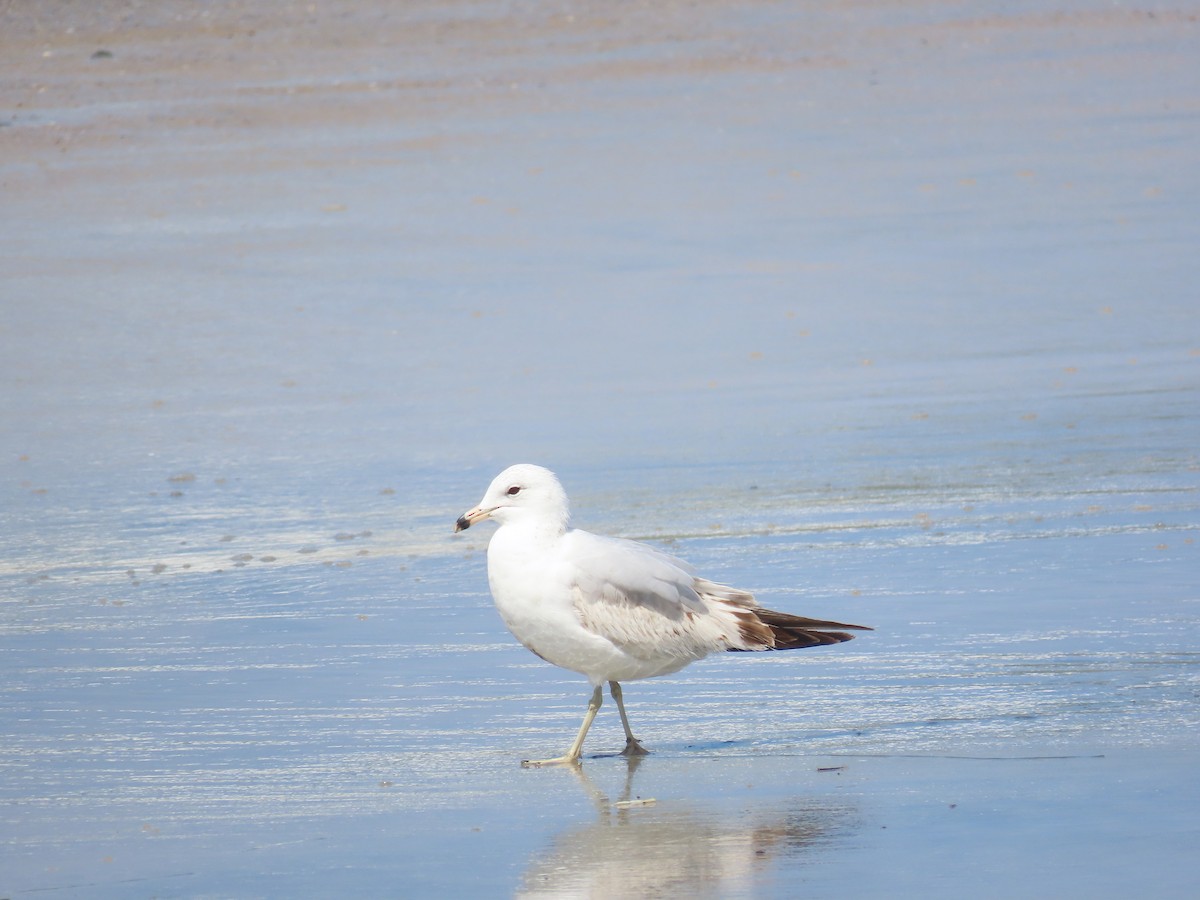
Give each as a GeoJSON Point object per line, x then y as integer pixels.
{"type": "Point", "coordinates": [798, 632]}
{"type": "Point", "coordinates": [787, 620]}
{"type": "Point", "coordinates": [799, 638]}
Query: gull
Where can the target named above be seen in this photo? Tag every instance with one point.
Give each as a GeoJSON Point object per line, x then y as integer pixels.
{"type": "Point", "coordinates": [613, 609]}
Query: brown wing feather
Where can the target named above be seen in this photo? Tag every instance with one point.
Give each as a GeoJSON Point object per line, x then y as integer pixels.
{"type": "Point", "coordinates": [790, 632]}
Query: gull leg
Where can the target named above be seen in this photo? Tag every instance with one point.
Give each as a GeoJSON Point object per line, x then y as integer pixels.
{"type": "Point", "coordinates": [632, 747]}
{"type": "Point", "coordinates": [575, 751]}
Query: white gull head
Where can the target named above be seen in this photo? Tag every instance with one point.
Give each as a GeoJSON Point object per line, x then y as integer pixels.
{"type": "Point", "coordinates": [521, 494]}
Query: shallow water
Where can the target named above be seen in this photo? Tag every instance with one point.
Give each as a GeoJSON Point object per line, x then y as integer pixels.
{"type": "Point", "coordinates": [887, 314]}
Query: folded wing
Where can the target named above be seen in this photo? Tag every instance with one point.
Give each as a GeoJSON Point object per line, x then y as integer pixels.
{"type": "Point", "coordinates": [653, 607]}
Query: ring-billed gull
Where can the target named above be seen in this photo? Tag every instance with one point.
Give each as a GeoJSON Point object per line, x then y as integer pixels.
{"type": "Point", "coordinates": [613, 609]}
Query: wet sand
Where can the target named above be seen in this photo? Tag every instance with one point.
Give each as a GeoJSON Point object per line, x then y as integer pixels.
{"type": "Point", "coordinates": [885, 312]}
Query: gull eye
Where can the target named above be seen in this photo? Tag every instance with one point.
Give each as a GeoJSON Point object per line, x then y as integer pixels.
{"type": "Point", "coordinates": [514, 490]}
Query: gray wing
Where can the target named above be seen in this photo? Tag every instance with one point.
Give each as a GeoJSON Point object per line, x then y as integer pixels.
{"type": "Point", "coordinates": [651, 604]}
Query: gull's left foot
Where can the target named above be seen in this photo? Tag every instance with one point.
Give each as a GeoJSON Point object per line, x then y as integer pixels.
{"type": "Point", "coordinates": [566, 760]}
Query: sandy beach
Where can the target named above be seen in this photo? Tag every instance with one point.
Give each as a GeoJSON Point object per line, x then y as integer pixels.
{"type": "Point", "coordinates": [886, 312]}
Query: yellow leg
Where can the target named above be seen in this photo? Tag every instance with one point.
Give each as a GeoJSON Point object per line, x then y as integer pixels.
{"type": "Point", "coordinates": [575, 751]}
{"type": "Point", "coordinates": [632, 747]}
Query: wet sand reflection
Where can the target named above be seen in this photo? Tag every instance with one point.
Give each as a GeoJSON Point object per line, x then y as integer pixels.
{"type": "Point", "coordinates": [640, 847]}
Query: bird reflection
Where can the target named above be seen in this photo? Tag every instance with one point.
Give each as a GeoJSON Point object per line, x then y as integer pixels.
{"type": "Point", "coordinates": [644, 847]}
